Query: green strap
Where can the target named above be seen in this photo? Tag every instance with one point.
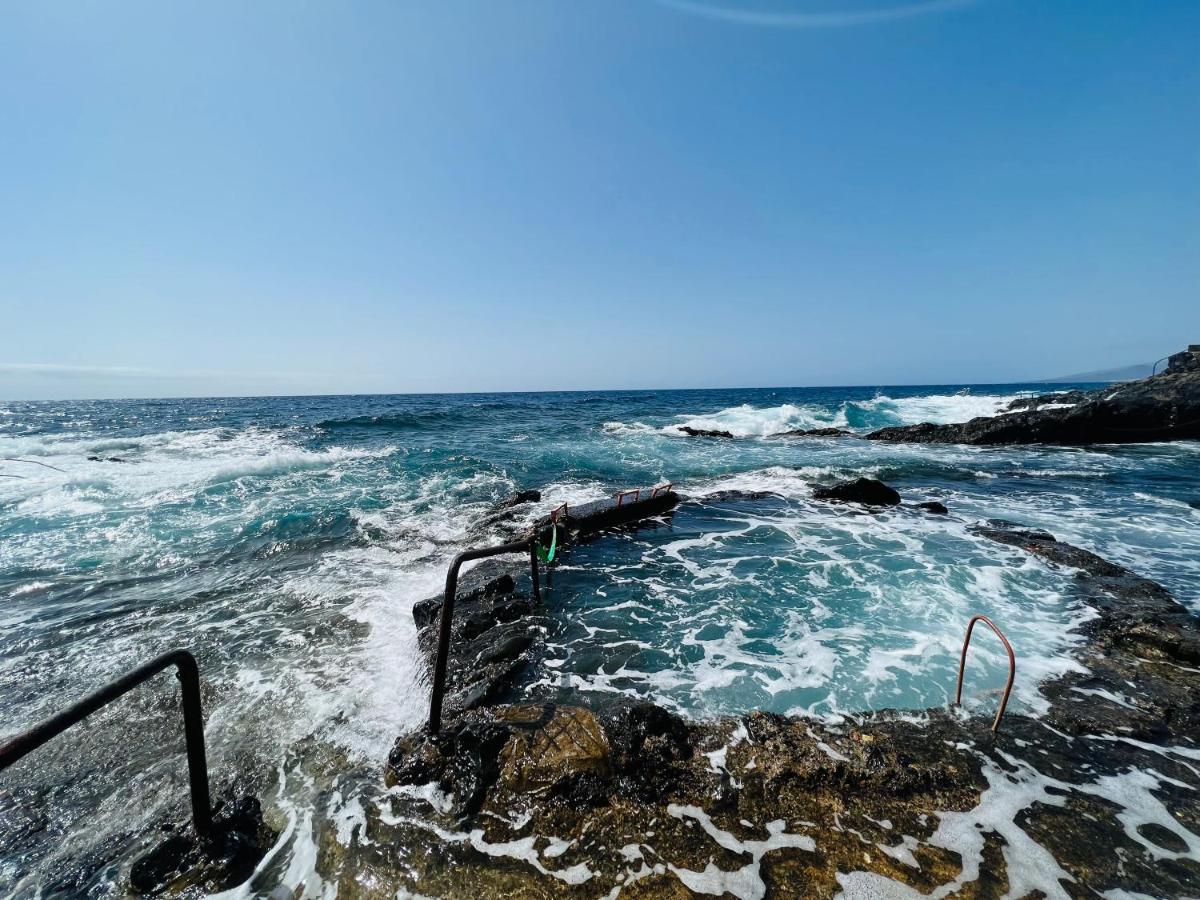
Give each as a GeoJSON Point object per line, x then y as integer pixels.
{"type": "Point", "coordinates": [548, 555]}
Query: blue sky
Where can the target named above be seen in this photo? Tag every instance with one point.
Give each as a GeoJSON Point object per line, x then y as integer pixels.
{"type": "Point", "coordinates": [287, 197]}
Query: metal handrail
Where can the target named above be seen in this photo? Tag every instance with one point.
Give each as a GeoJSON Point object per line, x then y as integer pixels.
{"type": "Point", "coordinates": [621, 495]}
{"type": "Point", "coordinates": [1012, 666]}
{"type": "Point", "coordinates": [559, 512]}
{"type": "Point", "coordinates": [663, 488]}
{"type": "Point", "coordinates": [193, 725]}
{"type": "Point", "coordinates": [443, 653]}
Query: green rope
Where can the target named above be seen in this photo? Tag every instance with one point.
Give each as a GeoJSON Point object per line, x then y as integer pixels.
{"type": "Point", "coordinates": [547, 556]}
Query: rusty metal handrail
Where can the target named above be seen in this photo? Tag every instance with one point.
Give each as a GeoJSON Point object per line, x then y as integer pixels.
{"type": "Point", "coordinates": [193, 725]}
{"type": "Point", "coordinates": [1012, 666]}
{"type": "Point", "coordinates": [559, 512]}
{"type": "Point", "coordinates": [621, 495]}
{"type": "Point", "coordinates": [663, 488]}
{"type": "Point", "coordinates": [447, 616]}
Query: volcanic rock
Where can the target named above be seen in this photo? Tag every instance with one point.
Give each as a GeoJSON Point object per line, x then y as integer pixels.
{"type": "Point", "coordinates": [1163, 408]}
{"type": "Point", "coordinates": [867, 491]}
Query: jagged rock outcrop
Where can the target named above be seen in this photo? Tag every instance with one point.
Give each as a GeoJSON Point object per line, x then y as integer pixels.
{"type": "Point", "coordinates": [1163, 408]}
{"type": "Point", "coordinates": [704, 432]}
{"type": "Point", "coordinates": [867, 491]}
{"type": "Point", "coordinates": [1061, 398]}
{"type": "Point", "coordinates": [493, 634]}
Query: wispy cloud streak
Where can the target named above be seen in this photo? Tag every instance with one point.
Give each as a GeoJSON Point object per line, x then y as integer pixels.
{"type": "Point", "coordinates": [845, 19]}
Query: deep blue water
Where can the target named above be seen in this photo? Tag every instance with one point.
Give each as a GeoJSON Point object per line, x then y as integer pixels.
{"type": "Point", "coordinates": [284, 540]}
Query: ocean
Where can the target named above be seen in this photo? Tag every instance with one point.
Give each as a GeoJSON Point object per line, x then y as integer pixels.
{"type": "Point", "coordinates": [285, 540]}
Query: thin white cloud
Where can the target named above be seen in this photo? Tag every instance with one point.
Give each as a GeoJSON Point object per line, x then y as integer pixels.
{"type": "Point", "coordinates": [57, 370]}
{"type": "Point", "coordinates": [63, 371]}
{"type": "Point", "coordinates": [846, 19]}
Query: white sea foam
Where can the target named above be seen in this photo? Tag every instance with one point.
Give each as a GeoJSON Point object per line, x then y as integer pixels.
{"type": "Point", "coordinates": [746, 420]}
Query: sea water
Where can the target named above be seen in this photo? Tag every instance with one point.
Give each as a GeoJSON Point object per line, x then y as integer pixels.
{"type": "Point", "coordinates": [284, 541]}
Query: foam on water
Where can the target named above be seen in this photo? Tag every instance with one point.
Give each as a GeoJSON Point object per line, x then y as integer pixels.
{"type": "Point", "coordinates": [856, 611]}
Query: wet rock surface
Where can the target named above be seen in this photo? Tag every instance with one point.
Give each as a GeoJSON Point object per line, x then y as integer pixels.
{"type": "Point", "coordinates": [1061, 398]}
{"type": "Point", "coordinates": [606, 797]}
{"type": "Point", "coordinates": [1163, 408]}
{"type": "Point", "coordinates": [495, 631]}
{"type": "Point", "coordinates": [183, 863]}
{"type": "Point", "coordinates": [865, 491]}
{"type": "Point", "coordinates": [704, 432]}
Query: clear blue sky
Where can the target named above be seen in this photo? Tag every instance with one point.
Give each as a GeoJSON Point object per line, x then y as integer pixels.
{"type": "Point", "coordinates": [301, 197]}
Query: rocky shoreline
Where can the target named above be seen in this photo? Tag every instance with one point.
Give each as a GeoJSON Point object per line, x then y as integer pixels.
{"type": "Point", "coordinates": [605, 797]}
{"type": "Point", "coordinates": [1164, 407]}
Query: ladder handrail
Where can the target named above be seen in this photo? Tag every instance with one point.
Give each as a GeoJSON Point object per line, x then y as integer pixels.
{"type": "Point", "coordinates": [193, 725]}
{"type": "Point", "coordinates": [1012, 666]}
{"type": "Point", "coordinates": [447, 616]}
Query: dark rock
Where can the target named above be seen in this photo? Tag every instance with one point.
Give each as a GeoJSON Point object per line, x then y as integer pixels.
{"type": "Point", "coordinates": [704, 432]}
{"type": "Point", "coordinates": [1185, 361]}
{"type": "Point", "coordinates": [815, 432]}
{"type": "Point", "coordinates": [867, 491]}
{"type": "Point", "coordinates": [735, 496]}
{"type": "Point", "coordinates": [220, 861]}
{"type": "Point", "coordinates": [1194, 504]}
{"type": "Point", "coordinates": [425, 612]}
{"type": "Point", "coordinates": [530, 496]}
{"type": "Point", "coordinates": [934, 506]}
{"type": "Point", "coordinates": [1042, 400]}
{"type": "Point", "coordinates": [115, 459]}
{"type": "Point", "coordinates": [1163, 408]}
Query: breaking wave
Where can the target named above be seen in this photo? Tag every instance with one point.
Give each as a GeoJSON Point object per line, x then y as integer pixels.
{"type": "Point", "coordinates": [748, 421]}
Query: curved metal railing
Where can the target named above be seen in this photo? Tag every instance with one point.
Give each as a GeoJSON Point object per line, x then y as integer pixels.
{"type": "Point", "coordinates": [1012, 666]}
{"type": "Point", "coordinates": [447, 615]}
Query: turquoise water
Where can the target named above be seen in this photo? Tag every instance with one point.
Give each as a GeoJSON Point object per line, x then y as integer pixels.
{"type": "Point", "coordinates": [285, 540]}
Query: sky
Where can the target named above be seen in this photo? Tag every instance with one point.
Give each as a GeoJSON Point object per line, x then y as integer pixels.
{"type": "Point", "coordinates": [230, 198]}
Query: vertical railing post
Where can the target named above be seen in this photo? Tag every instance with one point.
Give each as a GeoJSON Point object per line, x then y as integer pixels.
{"type": "Point", "coordinates": [443, 650]}
{"type": "Point", "coordinates": [193, 729]}
{"type": "Point", "coordinates": [446, 620]}
{"type": "Point", "coordinates": [534, 573]}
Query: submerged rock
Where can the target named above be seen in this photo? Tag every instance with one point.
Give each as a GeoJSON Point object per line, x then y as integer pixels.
{"type": "Point", "coordinates": [867, 491]}
{"type": "Point", "coordinates": [1163, 408]}
{"type": "Point", "coordinates": [934, 506]}
{"type": "Point", "coordinates": [815, 432]}
{"type": "Point", "coordinates": [530, 496]}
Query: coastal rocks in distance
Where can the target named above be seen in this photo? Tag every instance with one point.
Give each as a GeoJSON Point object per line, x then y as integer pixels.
{"type": "Point", "coordinates": [1063, 398]}
{"type": "Point", "coordinates": [867, 491]}
{"type": "Point", "coordinates": [704, 432]}
{"type": "Point", "coordinates": [1165, 407]}
{"type": "Point", "coordinates": [815, 432]}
